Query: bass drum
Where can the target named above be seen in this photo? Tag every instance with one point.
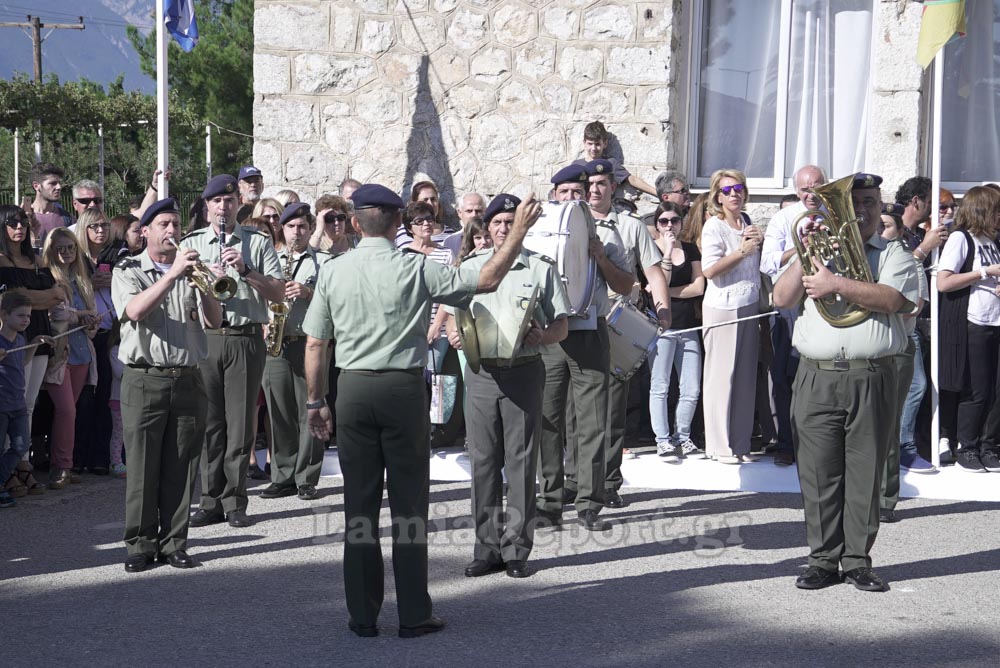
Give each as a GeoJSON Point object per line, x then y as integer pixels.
{"type": "Point", "coordinates": [563, 233]}
{"type": "Point", "coordinates": [632, 335]}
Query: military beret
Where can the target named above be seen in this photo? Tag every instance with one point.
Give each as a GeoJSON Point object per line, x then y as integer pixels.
{"type": "Point", "coordinates": [502, 203]}
{"type": "Point", "coordinates": [294, 210]}
{"type": "Point", "coordinates": [223, 184]}
{"type": "Point", "coordinates": [893, 209]}
{"type": "Point", "coordinates": [372, 195]}
{"type": "Point", "coordinates": [249, 172]}
{"type": "Point", "coordinates": [570, 174]}
{"type": "Point", "coordinates": [864, 180]}
{"type": "Point", "coordinates": [166, 205]}
{"type": "Point", "coordinates": [600, 166]}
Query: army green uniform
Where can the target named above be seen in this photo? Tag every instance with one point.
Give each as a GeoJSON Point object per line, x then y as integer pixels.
{"type": "Point", "coordinates": [578, 367]}
{"type": "Point", "coordinates": [163, 407]}
{"type": "Point", "coordinates": [233, 370]}
{"type": "Point", "coordinates": [843, 407]}
{"type": "Point", "coordinates": [504, 405]}
{"type": "Point", "coordinates": [640, 251]}
{"type": "Point", "coordinates": [297, 458]}
{"type": "Point", "coordinates": [375, 302]}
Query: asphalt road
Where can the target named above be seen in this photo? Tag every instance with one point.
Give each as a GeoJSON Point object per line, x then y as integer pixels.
{"type": "Point", "coordinates": [682, 578]}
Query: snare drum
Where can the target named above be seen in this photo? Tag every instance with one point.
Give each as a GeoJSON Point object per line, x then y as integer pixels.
{"type": "Point", "coordinates": [632, 335]}
{"type": "Point", "coordinates": [563, 233]}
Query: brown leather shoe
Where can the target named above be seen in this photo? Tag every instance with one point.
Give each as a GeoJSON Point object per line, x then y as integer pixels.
{"type": "Point", "coordinates": [59, 478]}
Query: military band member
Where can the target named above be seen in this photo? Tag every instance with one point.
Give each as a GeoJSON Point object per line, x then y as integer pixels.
{"type": "Point", "coordinates": [162, 397]}
{"type": "Point", "coordinates": [235, 364]}
{"type": "Point", "coordinates": [577, 367]}
{"type": "Point", "coordinates": [640, 252]}
{"type": "Point", "coordinates": [298, 455]}
{"type": "Point", "coordinates": [504, 399]}
{"type": "Point", "coordinates": [375, 303]}
{"type": "Point", "coordinates": [844, 395]}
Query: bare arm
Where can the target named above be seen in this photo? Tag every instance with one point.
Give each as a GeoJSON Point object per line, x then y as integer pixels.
{"type": "Point", "coordinates": [872, 296]}
{"type": "Point", "coordinates": [695, 288]}
{"type": "Point", "coordinates": [555, 331]}
{"type": "Point", "coordinates": [497, 266]}
{"type": "Point", "coordinates": [948, 281]}
{"type": "Point", "coordinates": [658, 280]}
{"type": "Point", "coordinates": [788, 290]}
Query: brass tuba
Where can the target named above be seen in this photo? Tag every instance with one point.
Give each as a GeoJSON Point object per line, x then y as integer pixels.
{"type": "Point", "coordinates": [279, 313]}
{"type": "Point", "coordinates": [221, 288]}
{"type": "Point", "coordinates": [836, 244]}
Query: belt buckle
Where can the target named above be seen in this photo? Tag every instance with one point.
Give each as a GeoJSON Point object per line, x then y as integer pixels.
{"type": "Point", "coordinates": [841, 365]}
{"type": "Point", "coordinates": [174, 372]}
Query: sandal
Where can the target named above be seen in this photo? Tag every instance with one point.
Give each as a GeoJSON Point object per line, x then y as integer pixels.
{"type": "Point", "coordinates": [23, 472]}
{"type": "Point", "coordinates": [15, 487]}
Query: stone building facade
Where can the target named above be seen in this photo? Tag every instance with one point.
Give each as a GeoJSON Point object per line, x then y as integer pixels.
{"type": "Point", "coordinates": [492, 95]}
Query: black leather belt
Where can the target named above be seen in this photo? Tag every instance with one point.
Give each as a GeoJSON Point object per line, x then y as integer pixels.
{"type": "Point", "coordinates": [251, 329]}
{"type": "Point", "coordinates": [510, 364]}
{"type": "Point", "coordinates": [847, 365]}
{"type": "Point", "coordinates": [169, 371]}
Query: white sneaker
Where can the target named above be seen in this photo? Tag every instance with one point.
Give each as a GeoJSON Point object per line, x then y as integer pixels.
{"type": "Point", "coordinates": [728, 459]}
{"type": "Point", "coordinates": [689, 449]}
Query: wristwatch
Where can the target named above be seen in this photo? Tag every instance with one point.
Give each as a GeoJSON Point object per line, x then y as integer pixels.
{"type": "Point", "coordinates": [246, 270]}
{"type": "Point", "coordinates": [313, 405]}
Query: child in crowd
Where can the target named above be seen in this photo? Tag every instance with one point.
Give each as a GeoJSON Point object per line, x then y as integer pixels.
{"type": "Point", "coordinates": [595, 143]}
{"type": "Point", "coordinates": [117, 442]}
{"type": "Point", "coordinates": [15, 316]}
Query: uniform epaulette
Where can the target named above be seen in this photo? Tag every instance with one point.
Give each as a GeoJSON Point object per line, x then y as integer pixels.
{"type": "Point", "coordinates": [609, 224]}
{"type": "Point", "coordinates": [194, 232]}
{"type": "Point", "coordinates": [127, 263]}
{"type": "Point", "coordinates": [538, 256]}
{"type": "Point", "coordinates": [473, 254]}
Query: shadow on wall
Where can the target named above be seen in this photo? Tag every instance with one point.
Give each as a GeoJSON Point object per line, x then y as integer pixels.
{"type": "Point", "coordinates": [425, 152]}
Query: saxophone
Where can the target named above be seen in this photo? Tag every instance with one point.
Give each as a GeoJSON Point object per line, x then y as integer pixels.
{"type": "Point", "coordinates": [279, 314]}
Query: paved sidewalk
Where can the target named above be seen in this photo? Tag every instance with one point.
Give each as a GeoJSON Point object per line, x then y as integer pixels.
{"type": "Point", "coordinates": [684, 578]}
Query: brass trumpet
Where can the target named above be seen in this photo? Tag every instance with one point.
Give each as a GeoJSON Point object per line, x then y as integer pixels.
{"type": "Point", "coordinates": [838, 244]}
{"type": "Point", "coordinates": [221, 288]}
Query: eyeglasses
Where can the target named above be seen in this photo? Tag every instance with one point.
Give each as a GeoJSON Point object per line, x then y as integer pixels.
{"type": "Point", "coordinates": [423, 221]}
{"type": "Point", "coordinates": [15, 223]}
{"type": "Point", "coordinates": [668, 220]}
{"type": "Point", "coordinates": [65, 250]}
{"type": "Point", "coordinates": [949, 205]}
{"type": "Point", "coordinates": [680, 191]}
{"type": "Point", "coordinates": [271, 217]}
{"type": "Point", "coordinates": [98, 226]}
{"type": "Point", "coordinates": [736, 187]}
{"type": "Point", "coordinates": [87, 201]}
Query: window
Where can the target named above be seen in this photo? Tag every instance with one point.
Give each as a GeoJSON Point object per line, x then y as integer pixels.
{"type": "Point", "coordinates": [970, 102]}
{"type": "Point", "coordinates": [779, 84]}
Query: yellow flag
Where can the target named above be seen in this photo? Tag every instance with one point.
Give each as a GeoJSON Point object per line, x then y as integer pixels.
{"type": "Point", "coordinates": [938, 24]}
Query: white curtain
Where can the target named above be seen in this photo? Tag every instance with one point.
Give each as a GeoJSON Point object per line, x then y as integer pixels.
{"type": "Point", "coordinates": [829, 80]}
{"type": "Point", "coordinates": [970, 132]}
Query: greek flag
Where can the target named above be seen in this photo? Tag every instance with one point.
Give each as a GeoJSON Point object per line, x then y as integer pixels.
{"type": "Point", "coordinates": [179, 17]}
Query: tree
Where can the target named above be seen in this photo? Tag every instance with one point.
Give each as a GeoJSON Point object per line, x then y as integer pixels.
{"type": "Point", "coordinates": [215, 80]}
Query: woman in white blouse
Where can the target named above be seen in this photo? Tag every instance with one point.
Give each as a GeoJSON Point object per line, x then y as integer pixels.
{"type": "Point", "coordinates": [730, 249]}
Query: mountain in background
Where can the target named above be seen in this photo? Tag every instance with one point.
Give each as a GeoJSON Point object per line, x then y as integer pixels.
{"type": "Point", "coordinates": [99, 53]}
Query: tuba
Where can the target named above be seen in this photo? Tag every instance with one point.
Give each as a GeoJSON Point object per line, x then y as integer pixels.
{"type": "Point", "coordinates": [279, 313]}
{"type": "Point", "coordinates": [221, 288]}
{"type": "Point", "coordinates": [836, 244]}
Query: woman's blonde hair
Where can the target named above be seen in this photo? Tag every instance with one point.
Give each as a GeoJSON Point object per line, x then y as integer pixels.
{"type": "Point", "coordinates": [695, 221]}
{"type": "Point", "coordinates": [89, 217]}
{"type": "Point", "coordinates": [714, 188]}
{"type": "Point", "coordinates": [78, 269]}
{"type": "Point", "coordinates": [979, 211]}
{"type": "Point", "coordinates": [258, 209]}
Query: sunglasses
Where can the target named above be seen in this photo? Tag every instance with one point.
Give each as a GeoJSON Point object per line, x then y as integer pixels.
{"type": "Point", "coordinates": [87, 201]}
{"type": "Point", "coordinates": [953, 206]}
{"type": "Point", "coordinates": [736, 187]}
{"type": "Point", "coordinates": [671, 220]}
{"type": "Point", "coordinates": [681, 191]}
{"type": "Point", "coordinates": [65, 250]}
{"type": "Point", "coordinates": [15, 223]}
{"type": "Point", "coordinates": [271, 217]}
{"type": "Point", "coordinates": [98, 226]}
{"type": "Point", "coordinates": [335, 218]}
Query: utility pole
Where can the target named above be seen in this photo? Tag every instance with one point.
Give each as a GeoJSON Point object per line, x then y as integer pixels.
{"type": "Point", "coordinates": [36, 26]}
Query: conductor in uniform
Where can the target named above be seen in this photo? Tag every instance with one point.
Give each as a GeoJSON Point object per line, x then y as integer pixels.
{"type": "Point", "coordinates": [843, 397]}
{"type": "Point", "coordinates": [162, 397]}
{"type": "Point", "coordinates": [375, 303]}
{"type": "Point", "coordinates": [504, 397]}
{"type": "Point", "coordinates": [235, 364]}
{"type": "Point", "coordinates": [298, 455]}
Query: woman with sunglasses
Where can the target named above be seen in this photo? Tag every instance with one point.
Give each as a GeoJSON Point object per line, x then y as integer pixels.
{"type": "Point", "coordinates": [332, 220]}
{"type": "Point", "coordinates": [270, 210]}
{"type": "Point", "coordinates": [680, 351]}
{"type": "Point", "coordinates": [20, 268]}
{"type": "Point", "coordinates": [730, 248]}
{"type": "Point", "coordinates": [72, 365]}
{"type": "Point", "coordinates": [418, 221]}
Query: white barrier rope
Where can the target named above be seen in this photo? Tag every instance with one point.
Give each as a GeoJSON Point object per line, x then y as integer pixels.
{"type": "Point", "coordinates": [718, 324]}
{"type": "Point", "coordinates": [57, 336]}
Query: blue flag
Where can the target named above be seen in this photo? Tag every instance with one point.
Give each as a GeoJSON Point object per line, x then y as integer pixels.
{"type": "Point", "coordinates": [179, 17]}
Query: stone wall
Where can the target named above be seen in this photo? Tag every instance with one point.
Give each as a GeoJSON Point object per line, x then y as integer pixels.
{"type": "Point", "coordinates": [486, 95]}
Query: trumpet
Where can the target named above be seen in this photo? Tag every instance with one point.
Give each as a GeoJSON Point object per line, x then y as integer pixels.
{"type": "Point", "coordinates": [202, 278]}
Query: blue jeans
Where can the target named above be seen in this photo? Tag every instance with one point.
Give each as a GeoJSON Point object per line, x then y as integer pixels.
{"type": "Point", "coordinates": [15, 425]}
{"type": "Point", "coordinates": [908, 421]}
{"type": "Point", "coordinates": [681, 352]}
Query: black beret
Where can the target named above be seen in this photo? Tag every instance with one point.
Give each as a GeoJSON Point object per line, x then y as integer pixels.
{"type": "Point", "coordinates": [502, 203]}
{"type": "Point", "coordinates": [167, 205]}
{"type": "Point", "coordinates": [294, 210]}
{"type": "Point", "coordinates": [893, 209]}
{"type": "Point", "coordinates": [570, 174]}
{"type": "Point", "coordinates": [223, 184]}
{"type": "Point", "coordinates": [864, 180]}
{"type": "Point", "coordinates": [372, 195]}
{"type": "Point", "coordinates": [600, 166]}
